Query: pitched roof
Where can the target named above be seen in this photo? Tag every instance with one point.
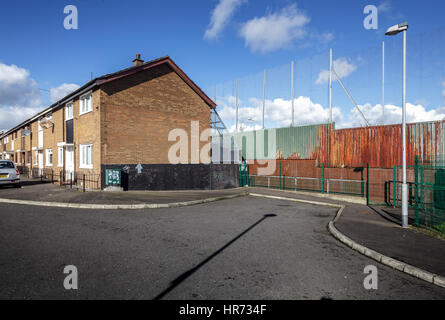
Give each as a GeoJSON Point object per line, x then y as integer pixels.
{"type": "Point", "coordinates": [119, 75]}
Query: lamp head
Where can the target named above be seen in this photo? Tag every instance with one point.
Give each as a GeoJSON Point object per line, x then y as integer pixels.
{"type": "Point", "coordinates": [394, 30]}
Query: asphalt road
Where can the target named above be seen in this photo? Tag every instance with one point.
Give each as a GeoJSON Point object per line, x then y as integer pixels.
{"type": "Point", "coordinates": [222, 250]}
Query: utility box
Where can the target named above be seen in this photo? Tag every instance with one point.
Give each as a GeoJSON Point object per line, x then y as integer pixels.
{"type": "Point", "coordinates": [113, 178]}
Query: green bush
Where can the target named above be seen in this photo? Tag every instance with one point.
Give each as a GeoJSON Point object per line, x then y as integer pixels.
{"type": "Point", "coordinates": [440, 228]}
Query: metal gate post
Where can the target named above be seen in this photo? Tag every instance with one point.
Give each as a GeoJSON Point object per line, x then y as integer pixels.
{"type": "Point", "coordinates": [280, 178]}
{"type": "Point", "coordinates": [416, 190]}
{"type": "Point", "coordinates": [367, 184]}
{"type": "Point", "coordinates": [397, 172]}
{"type": "Point", "coordinates": [394, 186]}
{"type": "Point", "coordinates": [422, 187]}
{"type": "Point", "coordinates": [322, 178]}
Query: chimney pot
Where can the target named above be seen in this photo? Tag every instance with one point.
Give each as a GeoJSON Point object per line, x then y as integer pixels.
{"type": "Point", "coordinates": [138, 61]}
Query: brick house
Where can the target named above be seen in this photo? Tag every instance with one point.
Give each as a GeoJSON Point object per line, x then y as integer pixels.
{"type": "Point", "coordinates": [116, 120]}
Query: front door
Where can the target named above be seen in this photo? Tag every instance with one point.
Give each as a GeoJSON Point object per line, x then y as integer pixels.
{"type": "Point", "coordinates": [69, 162]}
{"type": "Point", "coordinates": [40, 162]}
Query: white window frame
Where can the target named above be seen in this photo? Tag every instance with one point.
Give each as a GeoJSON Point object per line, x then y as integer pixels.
{"type": "Point", "coordinates": [36, 157]}
{"type": "Point", "coordinates": [69, 115]}
{"type": "Point", "coordinates": [60, 156]}
{"type": "Point", "coordinates": [47, 156]}
{"type": "Point", "coordinates": [82, 109]}
{"type": "Point", "coordinates": [86, 161]}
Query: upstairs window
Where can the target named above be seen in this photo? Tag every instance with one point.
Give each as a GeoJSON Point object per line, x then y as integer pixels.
{"type": "Point", "coordinates": [86, 103]}
{"type": "Point", "coordinates": [69, 111]}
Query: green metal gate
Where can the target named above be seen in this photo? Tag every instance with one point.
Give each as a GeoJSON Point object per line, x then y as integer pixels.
{"type": "Point", "coordinates": [244, 175]}
{"type": "Point", "coordinates": [426, 193]}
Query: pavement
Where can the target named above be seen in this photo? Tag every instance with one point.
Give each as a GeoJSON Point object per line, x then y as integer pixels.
{"type": "Point", "coordinates": [373, 228]}
{"type": "Point", "coordinates": [243, 248]}
{"type": "Point", "coordinates": [46, 192]}
{"type": "Point", "coordinates": [367, 226]}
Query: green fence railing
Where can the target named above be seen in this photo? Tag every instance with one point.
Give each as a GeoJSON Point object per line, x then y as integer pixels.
{"type": "Point", "coordinates": [426, 194]}
{"type": "Point", "coordinates": [319, 185]}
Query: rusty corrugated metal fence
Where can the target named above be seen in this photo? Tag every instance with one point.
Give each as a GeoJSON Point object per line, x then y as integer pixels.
{"type": "Point", "coordinates": [380, 146]}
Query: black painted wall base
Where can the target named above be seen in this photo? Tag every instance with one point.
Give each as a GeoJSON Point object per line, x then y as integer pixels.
{"type": "Point", "coordinates": [162, 177]}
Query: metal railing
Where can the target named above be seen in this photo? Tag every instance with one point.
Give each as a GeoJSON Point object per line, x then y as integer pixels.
{"type": "Point", "coordinates": [81, 181]}
{"type": "Point", "coordinates": [426, 195]}
{"type": "Point", "coordinates": [320, 185]}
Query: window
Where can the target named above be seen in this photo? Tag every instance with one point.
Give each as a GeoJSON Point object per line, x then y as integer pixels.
{"type": "Point", "coordinates": [69, 111]}
{"type": "Point", "coordinates": [6, 165]}
{"type": "Point", "coordinates": [6, 140]}
{"type": "Point", "coordinates": [49, 157]}
{"type": "Point", "coordinates": [86, 103]}
{"type": "Point", "coordinates": [86, 156]}
{"type": "Point", "coordinates": [60, 156]}
{"type": "Point", "coordinates": [36, 158]}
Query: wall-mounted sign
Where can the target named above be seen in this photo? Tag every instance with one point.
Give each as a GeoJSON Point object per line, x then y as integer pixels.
{"type": "Point", "coordinates": [113, 177]}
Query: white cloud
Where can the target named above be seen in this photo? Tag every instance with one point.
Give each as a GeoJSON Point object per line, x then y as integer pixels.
{"type": "Point", "coordinates": [16, 88]}
{"type": "Point", "coordinates": [324, 37]}
{"type": "Point", "coordinates": [342, 66]}
{"type": "Point", "coordinates": [20, 96]}
{"type": "Point", "coordinates": [244, 128]}
{"type": "Point", "coordinates": [384, 7]}
{"type": "Point", "coordinates": [62, 91]}
{"type": "Point", "coordinates": [393, 114]}
{"type": "Point", "coordinates": [276, 30]}
{"type": "Point", "coordinates": [278, 113]}
{"type": "Point", "coordinates": [221, 16]}
{"type": "Point", "coordinates": [12, 116]}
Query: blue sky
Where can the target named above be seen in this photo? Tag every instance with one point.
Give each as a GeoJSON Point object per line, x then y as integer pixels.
{"type": "Point", "coordinates": [37, 52]}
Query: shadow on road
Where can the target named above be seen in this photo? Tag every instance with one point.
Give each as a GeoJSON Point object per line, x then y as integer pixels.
{"type": "Point", "coordinates": [188, 273]}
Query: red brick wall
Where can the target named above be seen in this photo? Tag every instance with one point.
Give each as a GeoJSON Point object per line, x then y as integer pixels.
{"type": "Point", "coordinates": [138, 113]}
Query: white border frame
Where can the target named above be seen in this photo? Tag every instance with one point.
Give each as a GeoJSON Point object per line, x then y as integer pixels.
{"type": "Point", "coordinates": [80, 103]}
{"type": "Point", "coordinates": [81, 165]}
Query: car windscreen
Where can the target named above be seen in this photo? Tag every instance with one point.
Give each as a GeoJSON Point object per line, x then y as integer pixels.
{"type": "Point", "coordinates": [6, 165]}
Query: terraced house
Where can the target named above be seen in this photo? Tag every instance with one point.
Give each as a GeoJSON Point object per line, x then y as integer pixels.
{"type": "Point", "coordinates": [120, 119]}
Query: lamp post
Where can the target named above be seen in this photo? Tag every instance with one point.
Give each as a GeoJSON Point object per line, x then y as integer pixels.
{"type": "Point", "coordinates": [392, 31]}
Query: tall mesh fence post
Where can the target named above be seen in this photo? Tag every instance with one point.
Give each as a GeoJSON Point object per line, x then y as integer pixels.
{"type": "Point", "coordinates": [416, 190]}
{"type": "Point", "coordinates": [367, 184]}
{"type": "Point", "coordinates": [322, 178]}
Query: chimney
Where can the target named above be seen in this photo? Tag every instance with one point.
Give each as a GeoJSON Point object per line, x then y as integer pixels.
{"type": "Point", "coordinates": [138, 61]}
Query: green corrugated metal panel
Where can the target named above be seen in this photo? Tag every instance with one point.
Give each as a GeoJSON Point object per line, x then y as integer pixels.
{"type": "Point", "coordinates": [300, 142]}
{"type": "Point", "coordinates": [248, 142]}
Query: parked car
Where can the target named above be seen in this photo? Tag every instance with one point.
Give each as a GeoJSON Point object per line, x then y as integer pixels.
{"type": "Point", "coordinates": [9, 174]}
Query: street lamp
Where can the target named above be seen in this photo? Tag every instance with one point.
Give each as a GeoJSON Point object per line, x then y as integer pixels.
{"type": "Point", "coordinates": [392, 31]}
